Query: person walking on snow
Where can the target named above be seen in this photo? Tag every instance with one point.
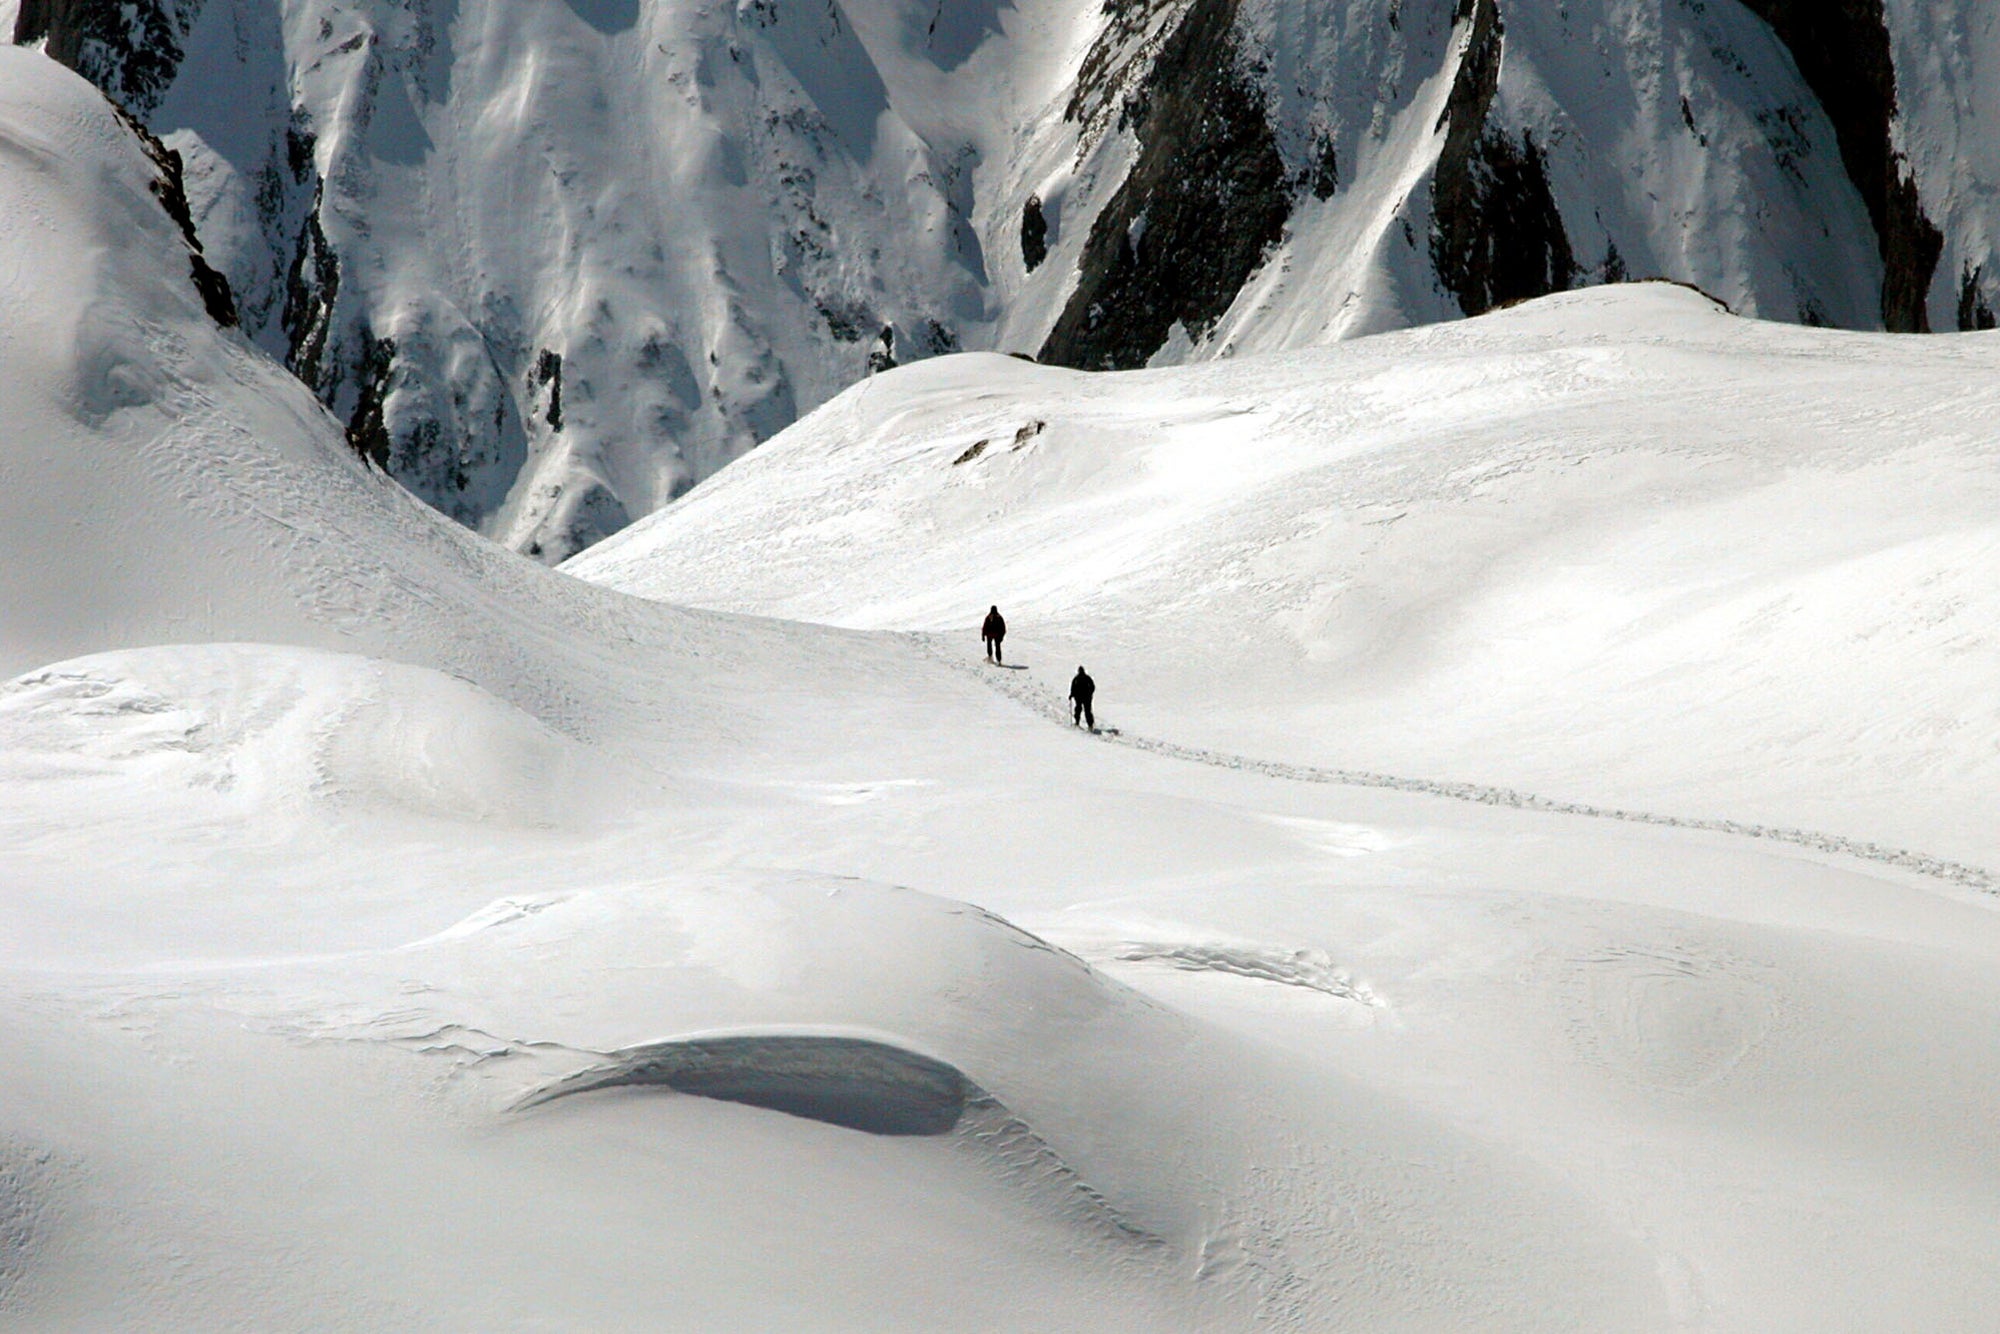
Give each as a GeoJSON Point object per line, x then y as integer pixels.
{"type": "Point", "coordinates": [993, 631]}
{"type": "Point", "coordinates": [1081, 688]}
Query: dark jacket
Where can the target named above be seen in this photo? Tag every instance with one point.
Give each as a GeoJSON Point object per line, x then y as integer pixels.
{"type": "Point", "coordinates": [1081, 688]}
{"type": "Point", "coordinates": [995, 627]}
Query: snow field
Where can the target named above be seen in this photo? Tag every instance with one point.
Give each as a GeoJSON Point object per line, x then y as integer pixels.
{"type": "Point", "coordinates": [1615, 548]}
{"type": "Point", "coordinates": [336, 840]}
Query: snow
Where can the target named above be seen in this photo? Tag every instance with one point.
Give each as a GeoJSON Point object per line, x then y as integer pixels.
{"type": "Point", "coordinates": [490, 178]}
{"type": "Point", "coordinates": [711, 212]}
{"type": "Point", "coordinates": [1518, 550]}
{"type": "Point", "coordinates": [337, 839]}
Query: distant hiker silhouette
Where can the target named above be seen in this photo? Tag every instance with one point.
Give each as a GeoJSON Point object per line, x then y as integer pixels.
{"type": "Point", "coordinates": [1081, 688]}
{"type": "Point", "coordinates": [993, 631]}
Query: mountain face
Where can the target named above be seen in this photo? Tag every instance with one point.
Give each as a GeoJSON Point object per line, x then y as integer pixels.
{"type": "Point", "coordinates": [552, 264]}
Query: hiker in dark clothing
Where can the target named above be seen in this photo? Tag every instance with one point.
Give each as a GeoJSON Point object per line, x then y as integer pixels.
{"type": "Point", "coordinates": [993, 631]}
{"type": "Point", "coordinates": [1081, 688]}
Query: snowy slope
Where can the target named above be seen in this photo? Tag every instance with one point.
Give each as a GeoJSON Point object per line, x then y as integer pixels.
{"type": "Point", "coordinates": [165, 482]}
{"type": "Point", "coordinates": [379, 902]}
{"type": "Point", "coordinates": [367, 907]}
{"type": "Point", "coordinates": [552, 264]}
{"type": "Point", "coordinates": [1519, 549]}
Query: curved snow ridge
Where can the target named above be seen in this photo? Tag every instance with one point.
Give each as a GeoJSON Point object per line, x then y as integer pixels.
{"type": "Point", "coordinates": [1307, 969]}
{"type": "Point", "coordinates": [862, 1084]}
{"type": "Point", "coordinates": [854, 1082]}
{"type": "Point", "coordinates": [1923, 863]}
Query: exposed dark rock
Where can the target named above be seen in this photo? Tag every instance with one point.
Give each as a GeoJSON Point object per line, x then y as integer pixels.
{"type": "Point", "coordinates": [1842, 49]}
{"type": "Point", "coordinates": [1785, 131]}
{"type": "Point", "coordinates": [311, 287]}
{"type": "Point", "coordinates": [1117, 61]}
{"type": "Point", "coordinates": [1911, 245]}
{"type": "Point", "coordinates": [547, 375]}
{"type": "Point", "coordinates": [57, 22]}
{"type": "Point", "coordinates": [1973, 310]}
{"type": "Point", "coordinates": [845, 320]}
{"type": "Point", "coordinates": [299, 145]}
{"type": "Point", "coordinates": [449, 450]}
{"type": "Point", "coordinates": [368, 428]}
{"type": "Point", "coordinates": [170, 188]}
{"type": "Point", "coordinates": [883, 358]}
{"type": "Point", "coordinates": [1323, 177]}
{"type": "Point", "coordinates": [1613, 269]}
{"type": "Point", "coordinates": [423, 446]}
{"type": "Point", "coordinates": [1496, 234]}
{"type": "Point", "coordinates": [1478, 77]}
{"type": "Point", "coordinates": [130, 49]}
{"type": "Point", "coordinates": [936, 339]}
{"type": "Point", "coordinates": [1034, 234]}
{"type": "Point", "coordinates": [1204, 202]}
{"type": "Point", "coordinates": [1687, 119]}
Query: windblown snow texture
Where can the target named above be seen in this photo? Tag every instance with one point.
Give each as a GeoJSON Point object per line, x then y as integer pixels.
{"type": "Point", "coordinates": [713, 218]}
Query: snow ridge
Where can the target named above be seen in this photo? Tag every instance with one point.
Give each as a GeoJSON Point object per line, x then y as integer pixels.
{"type": "Point", "coordinates": [1307, 969]}
{"type": "Point", "coordinates": [1044, 703]}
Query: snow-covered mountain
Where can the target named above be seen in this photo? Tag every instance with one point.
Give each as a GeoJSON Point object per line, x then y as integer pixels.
{"type": "Point", "coordinates": [403, 935]}
{"type": "Point", "coordinates": [551, 264]}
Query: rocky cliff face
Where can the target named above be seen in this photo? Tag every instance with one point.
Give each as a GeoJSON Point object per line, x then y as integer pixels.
{"type": "Point", "coordinates": [1843, 51]}
{"type": "Point", "coordinates": [553, 264]}
{"type": "Point", "coordinates": [1497, 232]}
{"type": "Point", "coordinates": [1205, 198]}
{"type": "Point", "coordinates": [132, 51]}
